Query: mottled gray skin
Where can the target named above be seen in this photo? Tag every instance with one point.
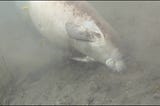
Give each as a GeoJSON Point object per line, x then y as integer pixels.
{"type": "Point", "coordinates": [77, 24]}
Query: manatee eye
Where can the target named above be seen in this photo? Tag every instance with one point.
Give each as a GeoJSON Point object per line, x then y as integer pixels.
{"type": "Point", "coordinates": [98, 35]}
{"type": "Point", "coordinates": [94, 34]}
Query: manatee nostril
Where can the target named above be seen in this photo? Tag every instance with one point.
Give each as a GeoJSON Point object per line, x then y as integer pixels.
{"type": "Point", "coordinates": [109, 62]}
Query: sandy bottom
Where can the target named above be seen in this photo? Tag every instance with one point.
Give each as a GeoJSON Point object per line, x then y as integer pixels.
{"type": "Point", "coordinates": [31, 71]}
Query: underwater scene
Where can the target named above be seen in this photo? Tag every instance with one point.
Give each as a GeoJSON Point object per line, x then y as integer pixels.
{"type": "Point", "coordinates": [79, 52]}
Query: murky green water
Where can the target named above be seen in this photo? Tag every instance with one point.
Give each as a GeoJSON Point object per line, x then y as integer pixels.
{"type": "Point", "coordinates": [30, 73]}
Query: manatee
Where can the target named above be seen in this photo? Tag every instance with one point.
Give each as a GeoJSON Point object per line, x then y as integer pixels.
{"type": "Point", "coordinates": [77, 25]}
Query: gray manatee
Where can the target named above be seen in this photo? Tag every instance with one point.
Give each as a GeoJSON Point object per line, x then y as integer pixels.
{"type": "Point", "coordinates": [78, 24]}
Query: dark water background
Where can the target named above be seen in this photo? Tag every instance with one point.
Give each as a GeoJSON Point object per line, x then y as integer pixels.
{"type": "Point", "coordinates": [30, 73]}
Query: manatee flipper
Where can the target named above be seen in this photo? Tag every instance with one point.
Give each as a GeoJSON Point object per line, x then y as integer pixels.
{"type": "Point", "coordinates": [83, 59]}
{"type": "Point", "coordinates": [78, 32]}
{"type": "Point", "coordinates": [78, 56]}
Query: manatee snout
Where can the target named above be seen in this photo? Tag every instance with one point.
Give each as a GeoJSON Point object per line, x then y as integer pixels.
{"type": "Point", "coordinates": [116, 61]}
{"type": "Point", "coordinates": [116, 65]}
